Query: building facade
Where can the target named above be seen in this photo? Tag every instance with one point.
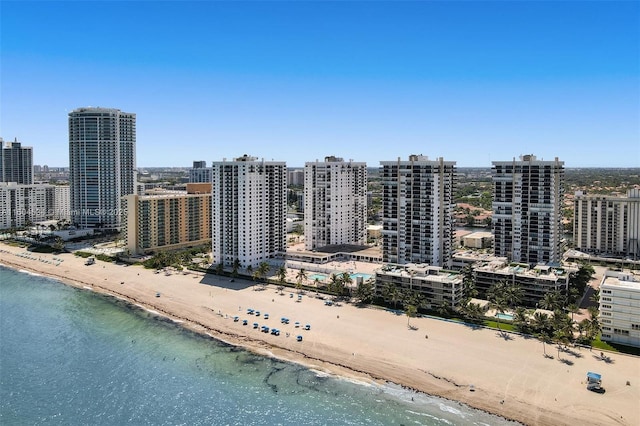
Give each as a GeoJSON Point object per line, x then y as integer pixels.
{"type": "Point", "coordinates": [535, 281]}
{"type": "Point", "coordinates": [167, 221]}
{"type": "Point", "coordinates": [436, 285]}
{"type": "Point", "coordinates": [25, 205]}
{"type": "Point", "coordinates": [102, 165]}
{"type": "Point", "coordinates": [62, 203]}
{"type": "Point", "coordinates": [200, 173]}
{"type": "Point", "coordinates": [527, 209]}
{"type": "Point", "coordinates": [607, 224]}
{"type": "Point", "coordinates": [620, 308]}
{"type": "Point", "coordinates": [335, 203]}
{"type": "Point", "coordinates": [417, 200]}
{"type": "Point", "coordinates": [249, 211]}
{"type": "Point", "coordinates": [16, 163]}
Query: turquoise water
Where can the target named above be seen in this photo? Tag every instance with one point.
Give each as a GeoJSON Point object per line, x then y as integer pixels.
{"type": "Point", "coordinates": [508, 317]}
{"type": "Point", "coordinates": [318, 277]}
{"type": "Point", "coordinates": [69, 356]}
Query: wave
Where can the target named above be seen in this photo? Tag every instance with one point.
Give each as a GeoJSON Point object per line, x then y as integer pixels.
{"type": "Point", "coordinates": [24, 271]}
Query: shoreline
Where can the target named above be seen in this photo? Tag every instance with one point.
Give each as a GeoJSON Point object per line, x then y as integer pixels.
{"type": "Point", "coordinates": [391, 358]}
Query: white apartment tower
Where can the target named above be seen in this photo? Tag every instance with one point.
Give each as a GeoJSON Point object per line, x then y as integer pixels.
{"type": "Point", "coordinates": [335, 203]}
{"type": "Point", "coordinates": [102, 163]}
{"type": "Point", "coordinates": [16, 162]}
{"type": "Point", "coordinates": [527, 210]}
{"type": "Point", "coordinates": [607, 224]}
{"type": "Point", "coordinates": [417, 200]}
{"type": "Point", "coordinates": [249, 211]}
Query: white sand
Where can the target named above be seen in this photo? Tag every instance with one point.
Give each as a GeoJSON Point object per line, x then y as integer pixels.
{"type": "Point", "coordinates": [510, 377]}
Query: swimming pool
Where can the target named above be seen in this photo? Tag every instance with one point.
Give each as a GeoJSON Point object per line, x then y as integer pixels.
{"type": "Point", "coordinates": [508, 317]}
{"type": "Point", "coordinates": [318, 277]}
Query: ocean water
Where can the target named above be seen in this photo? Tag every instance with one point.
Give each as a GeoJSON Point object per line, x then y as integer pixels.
{"type": "Point", "coordinates": [70, 357]}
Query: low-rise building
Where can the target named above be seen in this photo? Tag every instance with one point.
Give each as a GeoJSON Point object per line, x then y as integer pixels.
{"type": "Point", "coordinates": [535, 281]}
{"type": "Point", "coordinates": [437, 285]}
{"type": "Point", "coordinates": [620, 308]}
{"type": "Point", "coordinates": [478, 240]}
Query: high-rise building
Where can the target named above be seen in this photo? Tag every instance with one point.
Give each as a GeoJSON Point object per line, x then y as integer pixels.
{"type": "Point", "coordinates": [25, 204]}
{"type": "Point", "coordinates": [417, 200]}
{"type": "Point", "coordinates": [61, 203]}
{"type": "Point", "coordinates": [249, 211]}
{"type": "Point", "coordinates": [335, 203]}
{"type": "Point", "coordinates": [200, 173]}
{"type": "Point", "coordinates": [527, 210]}
{"type": "Point", "coordinates": [605, 224]}
{"type": "Point", "coordinates": [16, 162]}
{"type": "Point", "coordinates": [296, 177]}
{"type": "Point", "coordinates": [102, 165]}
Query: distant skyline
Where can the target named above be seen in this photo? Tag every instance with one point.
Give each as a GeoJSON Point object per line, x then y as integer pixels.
{"type": "Point", "coordinates": [473, 82]}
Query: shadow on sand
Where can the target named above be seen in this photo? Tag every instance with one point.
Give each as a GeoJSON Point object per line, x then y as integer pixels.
{"type": "Point", "coordinates": [605, 358]}
{"type": "Point", "coordinates": [227, 282]}
{"type": "Point", "coordinates": [504, 335]}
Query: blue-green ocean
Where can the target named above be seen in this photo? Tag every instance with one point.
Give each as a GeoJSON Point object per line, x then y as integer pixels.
{"type": "Point", "coordinates": [72, 357]}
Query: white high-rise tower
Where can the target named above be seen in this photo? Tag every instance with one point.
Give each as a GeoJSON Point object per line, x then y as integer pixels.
{"type": "Point", "coordinates": [249, 211]}
{"type": "Point", "coordinates": [335, 203]}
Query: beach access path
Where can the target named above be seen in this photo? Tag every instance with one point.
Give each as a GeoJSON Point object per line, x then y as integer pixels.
{"type": "Point", "coordinates": [502, 373]}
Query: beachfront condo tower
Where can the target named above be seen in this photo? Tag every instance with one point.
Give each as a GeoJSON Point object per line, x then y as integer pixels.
{"type": "Point", "coordinates": [527, 210]}
{"type": "Point", "coordinates": [249, 211]}
{"type": "Point", "coordinates": [335, 203]}
{"type": "Point", "coordinates": [607, 224]}
{"type": "Point", "coordinates": [16, 163]}
{"type": "Point", "coordinates": [417, 218]}
{"type": "Point", "coordinates": [102, 165]}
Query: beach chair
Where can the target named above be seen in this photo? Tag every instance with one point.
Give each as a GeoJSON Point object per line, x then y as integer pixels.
{"type": "Point", "coordinates": [307, 327]}
{"type": "Point", "coordinates": [299, 338]}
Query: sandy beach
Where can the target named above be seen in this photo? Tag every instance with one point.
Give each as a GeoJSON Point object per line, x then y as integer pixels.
{"type": "Point", "coordinates": [508, 376]}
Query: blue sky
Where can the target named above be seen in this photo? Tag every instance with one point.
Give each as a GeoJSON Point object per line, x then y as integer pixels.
{"type": "Point", "coordinates": [472, 82]}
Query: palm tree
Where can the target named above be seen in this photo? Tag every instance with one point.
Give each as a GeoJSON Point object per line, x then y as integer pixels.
{"type": "Point", "coordinates": [474, 310]}
{"type": "Point", "coordinates": [497, 298]}
{"type": "Point", "coordinates": [302, 275]}
{"type": "Point", "coordinates": [282, 275]}
{"type": "Point", "coordinates": [346, 280]}
{"type": "Point", "coordinates": [263, 270]}
{"type": "Point", "coordinates": [410, 311]}
{"type": "Point", "coordinates": [540, 322]}
{"type": "Point", "coordinates": [573, 309]}
{"type": "Point", "coordinates": [219, 268]}
{"type": "Point", "coordinates": [392, 294]}
{"type": "Point", "coordinates": [513, 295]}
{"type": "Point", "coordinates": [255, 276]}
{"type": "Point", "coordinates": [551, 300]}
{"type": "Point", "coordinates": [235, 267]}
{"type": "Point", "coordinates": [593, 326]}
{"type": "Point", "coordinates": [520, 319]}
{"type": "Point", "coordinates": [364, 291]}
